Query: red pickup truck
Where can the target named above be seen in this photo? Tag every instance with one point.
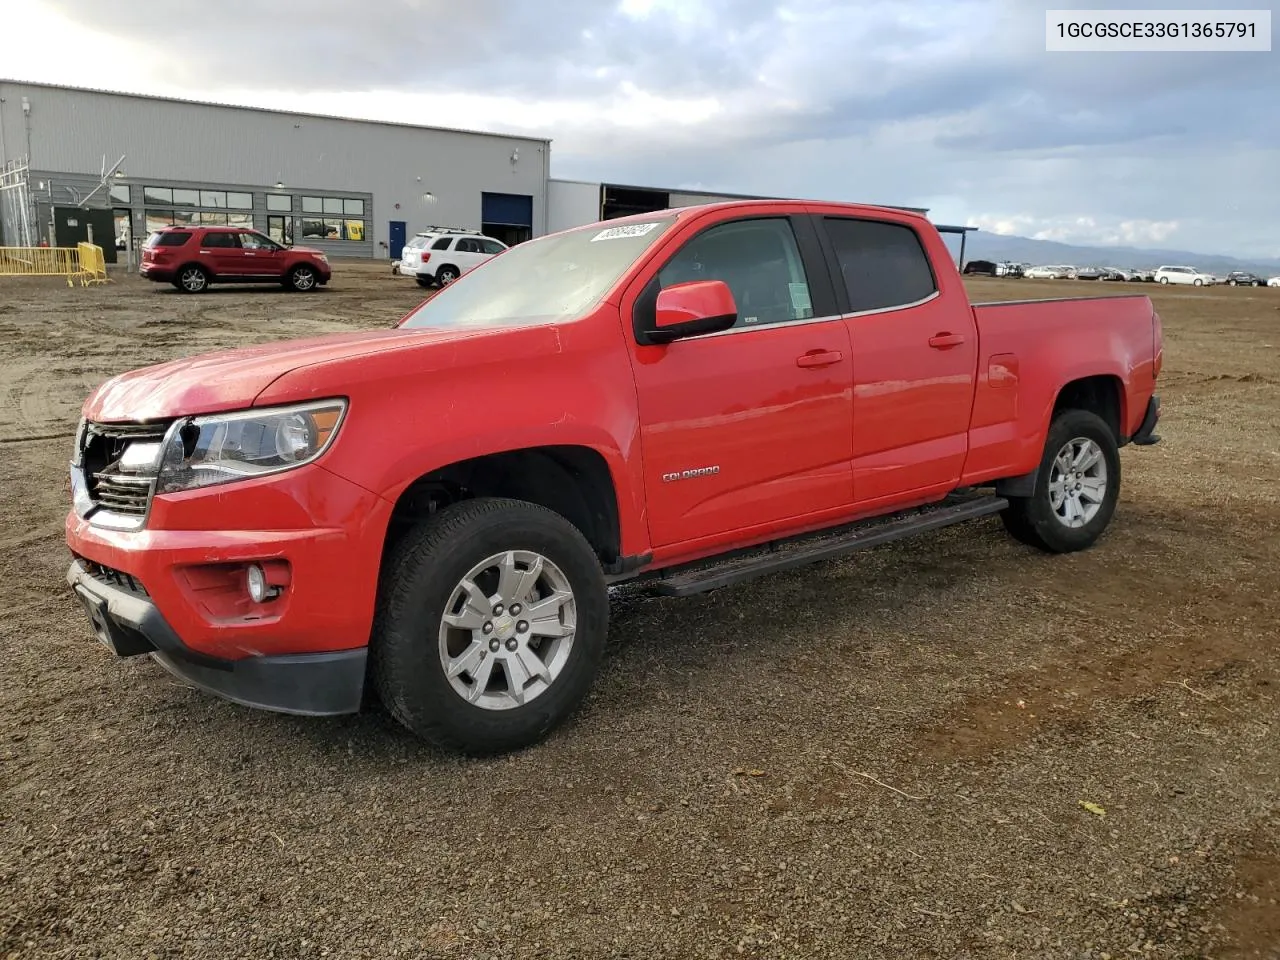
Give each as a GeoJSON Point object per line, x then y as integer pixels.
{"type": "Point", "coordinates": [689, 398]}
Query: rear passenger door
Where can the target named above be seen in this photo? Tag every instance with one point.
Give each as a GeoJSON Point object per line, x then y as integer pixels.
{"type": "Point", "coordinates": [221, 250]}
{"type": "Point", "coordinates": [914, 358]}
{"type": "Point", "coordinates": [468, 253]}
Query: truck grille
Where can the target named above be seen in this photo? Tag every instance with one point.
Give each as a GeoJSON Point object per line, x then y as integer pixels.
{"type": "Point", "coordinates": [113, 483]}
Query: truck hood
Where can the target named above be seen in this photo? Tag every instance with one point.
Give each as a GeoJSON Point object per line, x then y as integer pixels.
{"type": "Point", "coordinates": [231, 379]}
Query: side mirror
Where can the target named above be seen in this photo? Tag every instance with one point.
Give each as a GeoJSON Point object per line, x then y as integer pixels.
{"type": "Point", "coordinates": [691, 309]}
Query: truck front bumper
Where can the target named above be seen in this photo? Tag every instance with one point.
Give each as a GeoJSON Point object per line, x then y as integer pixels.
{"type": "Point", "coordinates": [176, 588]}
{"type": "Point", "coordinates": [124, 619]}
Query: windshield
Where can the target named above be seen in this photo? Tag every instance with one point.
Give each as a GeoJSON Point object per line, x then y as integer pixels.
{"type": "Point", "coordinates": [550, 279]}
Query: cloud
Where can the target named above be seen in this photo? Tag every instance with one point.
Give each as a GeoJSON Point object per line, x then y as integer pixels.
{"type": "Point", "coordinates": [955, 106]}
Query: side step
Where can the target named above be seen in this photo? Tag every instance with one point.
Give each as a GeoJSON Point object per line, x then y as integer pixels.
{"type": "Point", "coordinates": [784, 555]}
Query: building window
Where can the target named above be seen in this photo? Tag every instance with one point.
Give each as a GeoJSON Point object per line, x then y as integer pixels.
{"type": "Point", "coordinates": [331, 228]}
{"type": "Point", "coordinates": [280, 229]}
{"type": "Point", "coordinates": [157, 194]}
{"type": "Point", "coordinates": [158, 218]}
{"type": "Point", "coordinates": [280, 202]}
{"type": "Point", "coordinates": [240, 220]}
{"type": "Point", "coordinates": [239, 201]}
{"type": "Point", "coordinates": [217, 219]}
{"type": "Point", "coordinates": [189, 197]}
{"type": "Point", "coordinates": [342, 218]}
{"type": "Point", "coordinates": [120, 192]}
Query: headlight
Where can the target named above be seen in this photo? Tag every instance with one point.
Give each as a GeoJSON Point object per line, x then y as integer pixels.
{"type": "Point", "coordinates": [224, 447]}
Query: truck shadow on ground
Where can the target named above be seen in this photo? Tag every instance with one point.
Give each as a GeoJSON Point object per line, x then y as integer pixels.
{"type": "Point", "coordinates": [663, 651]}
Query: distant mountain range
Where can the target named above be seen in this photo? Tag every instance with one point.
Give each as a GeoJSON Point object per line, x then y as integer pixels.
{"type": "Point", "coordinates": [981, 245]}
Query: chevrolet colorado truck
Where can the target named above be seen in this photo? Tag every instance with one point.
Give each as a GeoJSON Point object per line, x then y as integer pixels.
{"type": "Point", "coordinates": [435, 512]}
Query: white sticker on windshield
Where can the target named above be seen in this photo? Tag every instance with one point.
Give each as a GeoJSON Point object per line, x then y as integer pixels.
{"type": "Point", "coordinates": [630, 230]}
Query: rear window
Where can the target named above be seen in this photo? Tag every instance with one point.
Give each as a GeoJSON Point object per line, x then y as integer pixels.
{"type": "Point", "coordinates": [174, 239]}
{"type": "Point", "coordinates": [883, 264]}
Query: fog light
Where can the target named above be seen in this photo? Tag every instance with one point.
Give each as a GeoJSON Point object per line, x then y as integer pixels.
{"type": "Point", "coordinates": [257, 583]}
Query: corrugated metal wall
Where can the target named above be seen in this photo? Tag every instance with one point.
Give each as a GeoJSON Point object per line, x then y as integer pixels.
{"type": "Point", "coordinates": [572, 203]}
{"type": "Point", "coordinates": [421, 176]}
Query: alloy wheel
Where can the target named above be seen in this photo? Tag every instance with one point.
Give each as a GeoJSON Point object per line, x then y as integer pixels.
{"type": "Point", "coordinates": [508, 630]}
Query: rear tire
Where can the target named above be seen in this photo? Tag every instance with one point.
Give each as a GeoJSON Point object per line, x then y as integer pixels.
{"type": "Point", "coordinates": [192, 278]}
{"type": "Point", "coordinates": [1076, 489]}
{"type": "Point", "coordinates": [451, 641]}
{"type": "Point", "coordinates": [446, 275]}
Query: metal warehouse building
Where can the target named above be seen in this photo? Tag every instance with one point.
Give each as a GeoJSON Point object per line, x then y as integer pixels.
{"type": "Point", "coordinates": [349, 187]}
{"type": "Point", "coordinates": [88, 164]}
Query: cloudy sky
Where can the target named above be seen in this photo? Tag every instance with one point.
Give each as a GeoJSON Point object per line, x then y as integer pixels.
{"type": "Point", "coordinates": [952, 105]}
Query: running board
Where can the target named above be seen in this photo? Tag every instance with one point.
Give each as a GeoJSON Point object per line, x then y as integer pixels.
{"type": "Point", "coordinates": [785, 555]}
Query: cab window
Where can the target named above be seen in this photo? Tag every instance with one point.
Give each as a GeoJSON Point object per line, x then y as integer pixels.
{"type": "Point", "coordinates": [759, 260]}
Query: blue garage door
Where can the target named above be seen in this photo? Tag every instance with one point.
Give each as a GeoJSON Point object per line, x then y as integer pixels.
{"type": "Point", "coordinates": [508, 209]}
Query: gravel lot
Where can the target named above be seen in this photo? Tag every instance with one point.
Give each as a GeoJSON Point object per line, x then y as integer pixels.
{"type": "Point", "coordinates": [885, 756]}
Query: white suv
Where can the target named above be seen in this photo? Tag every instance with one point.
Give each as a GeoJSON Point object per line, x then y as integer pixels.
{"type": "Point", "coordinates": [407, 265]}
{"type": "Point", "coordinates": [441, 256]}
{"type": "Point", "coordinates": [1185, 275]}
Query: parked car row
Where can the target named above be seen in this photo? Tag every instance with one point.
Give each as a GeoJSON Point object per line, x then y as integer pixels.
{"type": "Point", "coordinates": [1164, 274]}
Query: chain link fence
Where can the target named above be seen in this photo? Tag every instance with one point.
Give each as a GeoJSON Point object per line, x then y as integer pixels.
{"type": "Point", "coordinates": [17, 225]}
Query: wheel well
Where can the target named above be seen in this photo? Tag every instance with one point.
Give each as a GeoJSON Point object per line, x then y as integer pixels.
{"type": "Point", "coordinates": [1101, 395]}
{"type": "Point", "coordinates": [573, 481]}
{"type": "Point", "coordinates": [452, 266]}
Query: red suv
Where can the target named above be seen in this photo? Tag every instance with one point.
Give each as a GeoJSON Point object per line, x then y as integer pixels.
{"type": "Point", "coordinates": [191, 258]}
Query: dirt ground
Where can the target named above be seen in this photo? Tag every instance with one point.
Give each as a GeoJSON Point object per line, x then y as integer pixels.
{"type": "Point", "coordinates": [885, 757]}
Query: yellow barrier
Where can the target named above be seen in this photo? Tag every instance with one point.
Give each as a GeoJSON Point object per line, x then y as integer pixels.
{"type": "Point", "coordinates": [84, 262]}
{"type": "Point", "coordinates": [93, 266]}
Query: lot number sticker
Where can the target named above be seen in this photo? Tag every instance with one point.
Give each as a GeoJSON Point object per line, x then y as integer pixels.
{"type": "Point", "coordinates": [630, 230]}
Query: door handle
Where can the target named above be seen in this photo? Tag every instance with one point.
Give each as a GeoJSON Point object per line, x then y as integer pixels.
{"type": "Point", "coordinates": [819, 358]}
{"type": "Point", "coordinates": [942, 341]}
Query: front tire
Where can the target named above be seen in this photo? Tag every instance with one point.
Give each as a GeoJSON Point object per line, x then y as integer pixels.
{"type": "Point", "coordinates": [1198, 282]}
{"type": "Point", "coordinates": [1076, 489]}
{"type": "Point", "coordinates": [490, 628]}
{"type": "Point", "coordinates": [302, 278]}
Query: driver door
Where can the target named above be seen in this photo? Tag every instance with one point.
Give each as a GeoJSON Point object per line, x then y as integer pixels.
{"type": "Point", "coordinates": [749, 428]}
{"type": "Point", "coordinates": [263, 257]}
